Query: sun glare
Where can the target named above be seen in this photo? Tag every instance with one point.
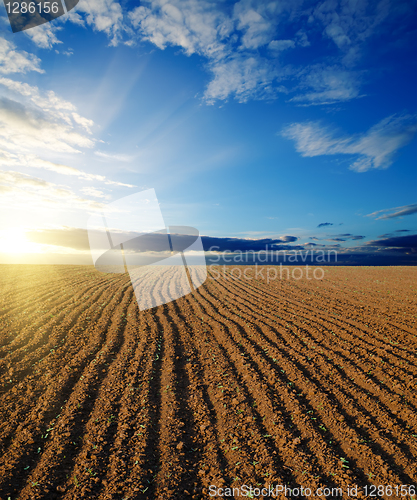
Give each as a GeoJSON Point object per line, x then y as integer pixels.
{"type": "Point", "coordinates": [14, 241]}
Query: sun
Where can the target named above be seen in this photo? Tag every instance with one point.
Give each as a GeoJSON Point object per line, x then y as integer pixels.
{"type": "Point", "coordinates": [14, 241]}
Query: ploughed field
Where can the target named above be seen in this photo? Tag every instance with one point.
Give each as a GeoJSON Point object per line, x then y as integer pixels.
{"type": "Point", "coordinates": [303, 383]}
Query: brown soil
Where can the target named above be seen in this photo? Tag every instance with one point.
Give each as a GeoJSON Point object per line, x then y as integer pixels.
{"type": "Point", "coordinates": [294, 382]}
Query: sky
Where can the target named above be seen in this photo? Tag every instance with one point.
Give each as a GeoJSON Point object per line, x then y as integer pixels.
{"type": "Point", "coordinates": [290, 123]}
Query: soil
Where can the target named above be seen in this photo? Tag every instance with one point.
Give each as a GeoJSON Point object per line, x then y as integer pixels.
{"type": "Point", "coordinates": [298, 382]}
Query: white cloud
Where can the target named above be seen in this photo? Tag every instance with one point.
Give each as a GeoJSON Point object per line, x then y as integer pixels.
{"type": "Point", "coordinates": [118, 157]}
{"type": "Point", "coordinates": [18, 179]}
{"type": "Point", "coordinates": [32, 161]}
{"type": "Point", "coordinates": [374, 149]}
{"type": "Point", "coordinates": [40, 120]}
{"type": "Point", "coordinates": [36, 162]}
{"type": "Point", "coordinates": [313, 140]}
{"type": "Point", "coordinates": [21, 190]}
{"type": "Point", "coordinates": [84, 122]}
{"type": "Point", "coordinates": [17, 61]}
{"type": "Point", "coordinates": [103, 15]}
{"type": "Point", "coordinates": [26, 128]}
{"type": "Point", "coordinates": [89, 191]}
{"type": "Point", "coordinates": [391, 213]}
{"type": "Point", "coordinates": [243, 77]}
{"type": "Point", "coordinates": [195, 26]}
{"type": "Point", "coordinates": [47, 100]}
{"type": "Point", "coordinates": [44, 36]}
{"type": "Point", "coordinates": [43, 122]}
{"type": "Point", "coordinates": [327, 85]}
{"type": "Point", "coordinates": [11, 159]}
{"type": "Point", "coordinates": [257, 29]}
{"type": "Point", "coordinates": [210, 30]}
{"type": "Point", "coordinates": [379, 145]}
{"type": "Point", "coordinates": [280, 45]}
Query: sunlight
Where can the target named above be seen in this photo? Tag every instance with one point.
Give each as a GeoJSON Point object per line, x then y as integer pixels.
{"type": "Point", "coordinates": [14, 241]}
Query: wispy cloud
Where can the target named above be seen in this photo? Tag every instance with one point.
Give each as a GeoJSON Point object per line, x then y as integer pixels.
{"type": "Point", "coordinates": [45, 35]}
{"type": "Point", "coordinates": [32, 119]}
{"type": "Point", "coordinates": [195, 26]}
{"type": "Point", "coordinates": [20, 190]}
{"type": "Point", "coordinates": [243, 77]}
{"type": "Point", "coordinates": [96, 193]}
{"type": "Point", "coordinates": [373, 149]}
{"type": "Point", "coordinates": [32, 161]}
{"type": "Point", "coordinates": [320, 84]}
{"type": "Point", "coordinates": [110, 156]}
{"type": "Point", "coordinates": [392, 213]}
{"type": "Point", "coordinates": [102, 15]}
{"type": "Point", "coordinates": [280, 45]}
{"type": "Point", "coordinates": [24, 128]}
{"type": "Point", "coordinates": [46, 100]}
{"type": "Point", "coordinates": [17, 61]}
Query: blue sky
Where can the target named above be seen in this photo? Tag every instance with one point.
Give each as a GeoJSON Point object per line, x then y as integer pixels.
{"type": "Point", "coordinates": [251, 119]}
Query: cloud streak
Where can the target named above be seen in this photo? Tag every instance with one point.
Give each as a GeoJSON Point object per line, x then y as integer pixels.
{"type": "Point", "coordinates": [25, 128]}
{"type": "Point", "coordinates": [20, 190]}
{"type": "Point", "coordinates": [321, 84]}
{"type": "Point", "coordinates": [374, 149]}
{"type": "Point", "coordinates": [33, 161]}
{"type": "Point", "coordinates": [392, 213]}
